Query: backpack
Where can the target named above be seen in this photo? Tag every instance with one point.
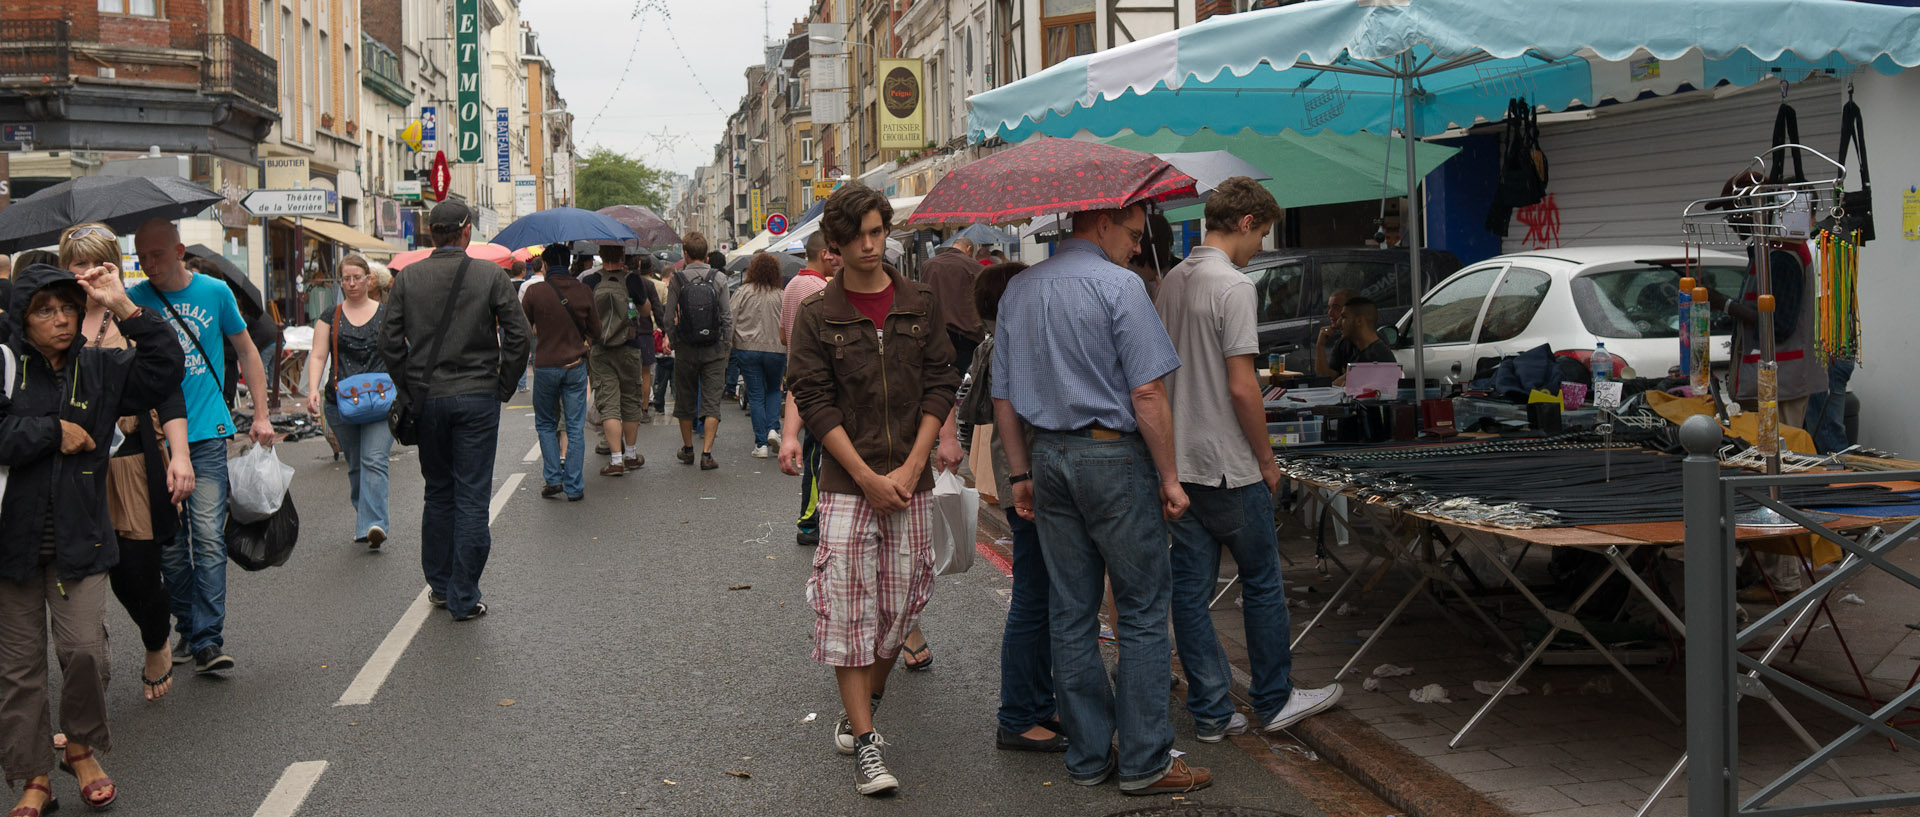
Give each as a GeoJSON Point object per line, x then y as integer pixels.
{"type": "Point", "coordinates": [699, 309]}
{"type": "Point", "coordinates": [614, 303]}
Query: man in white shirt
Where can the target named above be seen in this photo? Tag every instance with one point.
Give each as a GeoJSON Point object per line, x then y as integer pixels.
{"type": "Point", "coordinates": [1226, 468]}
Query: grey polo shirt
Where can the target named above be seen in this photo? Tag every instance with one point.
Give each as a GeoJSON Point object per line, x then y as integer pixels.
{"type": "Point", "coordinates": [1208, 306]}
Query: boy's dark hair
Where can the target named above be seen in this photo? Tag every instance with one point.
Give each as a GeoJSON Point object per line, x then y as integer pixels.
{"type": "Point", "coordinates": [1236, 198]}
{"type": "Point", "coordinates": [989, 285]}
{"type": "Point", "coordinates": [694, 244]}
{"type": "Point", "coordinates": [612, 253]}
{"type": "Point", "coordinates": [847, 207]}
{"type": "Point", "coordinates": [717, 259]}
{"type": "Point", "coordinates": [1364, 307]}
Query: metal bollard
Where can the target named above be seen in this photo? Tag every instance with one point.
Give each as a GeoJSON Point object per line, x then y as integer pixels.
{"type": "Point", "coordinates": [1712, 786]}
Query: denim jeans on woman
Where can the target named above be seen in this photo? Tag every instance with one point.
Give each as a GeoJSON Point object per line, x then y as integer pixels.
{"type": "Point", "coordinates": [1026, 646]}
{"type": "Point", "coordinates": [458, 438]}
{"type": "Point", "coordinates": [1098, 511]}
{"type": "Point", "coordinates": [561, 393]}
{"type": "Point", "coordinates": [195, 562]}
{"type": "Point", "coordinates": [369, 450]}
{"type": "Point", "coordinates": [763, 371]}
{"type": "Point", "coordinates": [1241, 519]}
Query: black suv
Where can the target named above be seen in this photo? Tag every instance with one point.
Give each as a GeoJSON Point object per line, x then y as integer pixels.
{"type": "Point", "coordinates": [1292, 288]}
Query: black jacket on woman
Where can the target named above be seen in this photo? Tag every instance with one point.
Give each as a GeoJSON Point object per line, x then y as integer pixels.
{"type": "Point", "coordinates": [93, 390]}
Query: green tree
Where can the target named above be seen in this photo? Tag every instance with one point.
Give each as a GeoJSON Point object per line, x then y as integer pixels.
{"type": "Point", "coordinates": [607, 177]}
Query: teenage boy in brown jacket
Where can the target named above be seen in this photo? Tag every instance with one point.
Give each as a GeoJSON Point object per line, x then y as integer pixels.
{"type": "Point", "coordinates": [871, 371]}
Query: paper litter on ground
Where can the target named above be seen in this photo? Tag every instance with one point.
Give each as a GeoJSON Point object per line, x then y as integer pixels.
{"type": "Point", "coordinates": [1345, 609]}
{"type": "Point", "coordinates": [1852, 598]}
{"type": "Point", "coordinates": [1491, 687]}
{"type": "Point", "coordinates": [1430, 694]}
{"type": "Point", "coordinates": [1391, 671]}
{"type": "Point", "coordinates": [1371, 685]}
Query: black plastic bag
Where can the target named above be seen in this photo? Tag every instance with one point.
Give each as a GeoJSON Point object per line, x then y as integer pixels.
{"type": "Point", "coordinates": [266, 543]}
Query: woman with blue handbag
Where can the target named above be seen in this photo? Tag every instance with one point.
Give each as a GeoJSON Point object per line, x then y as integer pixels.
{"type": "Point", "coordinates": [356, 395]}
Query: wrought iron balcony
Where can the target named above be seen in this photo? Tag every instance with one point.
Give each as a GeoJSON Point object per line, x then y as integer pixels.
{"type": "Point", "coordinates": [34, 50]}
{"type": "Point", "coordinates": [236, 68]}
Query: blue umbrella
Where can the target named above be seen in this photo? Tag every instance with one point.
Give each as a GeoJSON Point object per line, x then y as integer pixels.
{"type": "Point", "coordinates": [561, 224]}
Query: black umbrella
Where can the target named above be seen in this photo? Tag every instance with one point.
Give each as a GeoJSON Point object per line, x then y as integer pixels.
{"type": "Point", "coordinates": [652, 229]}
{"type": "Point", "coordinates": [122, 203]}
{"type": "Point", "coordinates": [251, 302]}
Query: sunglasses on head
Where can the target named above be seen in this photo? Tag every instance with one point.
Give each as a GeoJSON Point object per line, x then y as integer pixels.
{"type": "Point", "coordinates": [90, 230]}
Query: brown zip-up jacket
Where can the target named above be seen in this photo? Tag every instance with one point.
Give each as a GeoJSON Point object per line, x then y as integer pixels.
{"type": "Point", "coordinates": [831, 372]}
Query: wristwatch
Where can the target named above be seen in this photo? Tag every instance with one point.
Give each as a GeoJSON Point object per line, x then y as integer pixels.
{"type": "Point", "coordinates": [1020, 477]}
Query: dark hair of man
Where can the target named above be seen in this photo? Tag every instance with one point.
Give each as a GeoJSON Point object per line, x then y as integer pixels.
{"type": "Point", "coordinates": [989, 285]}
{"type": "Point", "coordinates": [763, 271]}
{"type": "Point", "coordinates": [444, 236]}
{"type": "Point", "coordinates": [1156, 248]}
{"type": "Point", "coordinates": [644, 263]}
{"type": "Point", "coordinates": [581, 263]}
{"type": "Point", "coordinates": [847, 208]}
{"type": "Point", "coordinates": [816, 244]}
{"type": "Point", "coordinates": [536, 265]}
{"type": "Point", "coordinates": [1086, 219]}
{"type": "Point", "coordinates": [1364, 307]}
{"type": "Point", "coordinates": [716, 259]}
{"type": "Point", "coordinates": [519, 270]}
{"type": "Point", "coordinates": [694, 244]}
{"type": "Point", "coordinates": [612, 253]}
{"type": "Point", "coordinates": [556, 256]}
{"type": "Point", "coordinates": [1237, 198]}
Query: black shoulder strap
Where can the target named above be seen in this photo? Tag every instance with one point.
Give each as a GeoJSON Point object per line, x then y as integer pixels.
{"type": "Point", "coordinates": [568, 308]}
{"type": "Point", "coordinates": [192, 336]}
{"type": "Point", "coordinates": [1786, 131]}
{"type": "Point", "coordinates": [1853, 130]}
{"type": "Point", "coordinates": [446, 316]}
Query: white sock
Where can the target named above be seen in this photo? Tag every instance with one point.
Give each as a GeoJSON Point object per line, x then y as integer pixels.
{"type": "Point", "coordinates": [616, 458]}
{"type": "Point", "coordinates": [630, 454]}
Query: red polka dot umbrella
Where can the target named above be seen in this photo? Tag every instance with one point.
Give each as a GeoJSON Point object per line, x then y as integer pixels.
{"type": "Point", "coordinates": [1042, 176]}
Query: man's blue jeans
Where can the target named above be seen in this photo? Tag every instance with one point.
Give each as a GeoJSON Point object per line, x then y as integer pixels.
{"type": "Point", "coordinates": [458, 437]}
{"type": "Point", "coordinates": [763, 371]}
{"type": "Point", "coordinates": [369, 449]}
{"type": "Point", "coordinates": [194, 564]}
{"type": "Point", "coordinates": [557, 392]}
{"type": "Point", "coordinates": [1026, 646]}
{"type": "Point", "coordinates": [1098, 505]}
{"type": "Point", "coordinates": [1240, 519]}
{"type": "Point", "coordinates": [1827, 411]}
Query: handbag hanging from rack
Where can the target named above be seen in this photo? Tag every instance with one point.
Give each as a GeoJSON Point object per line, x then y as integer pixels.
{"type": "Point", "coordinates": [1523, 167]}
{"type": "Point", "coordinates": [1856, 206]}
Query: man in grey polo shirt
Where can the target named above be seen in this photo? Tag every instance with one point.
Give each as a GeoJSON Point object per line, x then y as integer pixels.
{"type": "Point", "coordinates": [1227, 470]}
{"type": "Point", "coordinates": [1079, 356]}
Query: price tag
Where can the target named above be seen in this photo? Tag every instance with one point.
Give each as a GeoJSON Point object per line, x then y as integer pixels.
{"type": "Point", "coordinates": [1607, 395]}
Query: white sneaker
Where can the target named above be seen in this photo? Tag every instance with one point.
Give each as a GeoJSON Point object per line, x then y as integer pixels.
{"type": "Point", "coordinates": [1236, 725]}
{"type": "Point", "coordinates": [773, 436]}
{"type": "Point", "coordinates": [760, 452]}
{"type": "Point", "coordinates": [1303, 704]}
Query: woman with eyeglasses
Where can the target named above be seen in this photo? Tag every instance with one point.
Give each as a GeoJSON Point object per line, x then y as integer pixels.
{"type": "Point", "coordinates": [145, 484]}
{"type": "Point", "coordinates": [58, 409]}
{"type": "Point", "coordinates": [350, 336]}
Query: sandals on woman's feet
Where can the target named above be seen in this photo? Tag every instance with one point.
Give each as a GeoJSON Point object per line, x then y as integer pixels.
{"type": "Point", "coordinates": [90, 792]}
{"type": "Point", "coordinates": [922, 665]}
{"type": "Point", "coordinates": [153, 686]}
{"type": "Point", "coordinates": [50, 806]}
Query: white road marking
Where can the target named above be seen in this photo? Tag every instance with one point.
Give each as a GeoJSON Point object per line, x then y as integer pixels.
{"type": "Point", "coordinates": [533, 454]}
{"type": "Point", "coordinates": [295, 784]}
{"type": "Point", "coordinates": [367, 683]}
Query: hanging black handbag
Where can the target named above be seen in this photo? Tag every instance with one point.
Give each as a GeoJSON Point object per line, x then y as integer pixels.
{"type": "Point", "coordinates": [1786, 131]}
{"type": "Point", "coordinates": [1856, 206]}
{"type": "Point", "coordinates": [1523, 172]}
{"type": "Point", "coordinates": [403, 418]}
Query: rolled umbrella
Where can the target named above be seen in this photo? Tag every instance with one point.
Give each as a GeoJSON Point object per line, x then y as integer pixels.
{"type": "Point", "coordinates": [480, 252]}
{"type": "Point", "coordinates": [123, 203]}
{"type": "Point", "coordinates": [1044, 176]}
{"type": "Point", "coordinates": [563, 224]}
{"type": "Point", "coordinates": [251, 301]}
{"type": "Point", "coordinates": [653, 231]}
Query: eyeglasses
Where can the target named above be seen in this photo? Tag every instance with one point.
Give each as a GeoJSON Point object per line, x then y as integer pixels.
{"type": "Point", "coordinates": [47, 313]}
{"type": "Point", "coordinates": [1138, 235]}
{"type": "Point", "coordinates": [353, 279]}
{"type": "Point", "coordinates": [90, 230]}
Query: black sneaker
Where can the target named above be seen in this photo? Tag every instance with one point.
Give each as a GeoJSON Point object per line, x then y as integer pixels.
{"type": "Point", "coordinates": [707, 463]}
{"type": "Point", "coordinates": [181, 654]}
{"type": "Point", "coordinates": [551, 491]}
{"type": "Point", "coordinates": [376, 537]}
{"type": "Point", "coordinates": [436, 600]}
{"type": "Point", "coordinates": [686, 455]}
{"type": "Point", "coordinates": [211, 659]}
{"type": "Point", "coordinates": [870, 775]}
{"type": "Point", "coordinates": [807, 537]}
{"type": "Point", "coordinates": [479, 609]}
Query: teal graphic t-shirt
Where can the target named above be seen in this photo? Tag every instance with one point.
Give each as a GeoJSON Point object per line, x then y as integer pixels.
{"type": "Point", "coordinates": [206, 306]}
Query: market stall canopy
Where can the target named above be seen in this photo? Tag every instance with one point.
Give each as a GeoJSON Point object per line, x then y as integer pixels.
{"type": "Point", "coordinates": [1301, 170]}
{"type": "Point", "coordinates": [1340, 65]}
{"type": "Point", "coordinates": [123, 203]}
{"type": "Point", "coordinates": [648, 225]}
{"type": "Point", "coordinates": [563, 224]}
{"type": "Point", "coordinates": [1049, 176]}
{"type": "Point", "coordinates": [349, 237]}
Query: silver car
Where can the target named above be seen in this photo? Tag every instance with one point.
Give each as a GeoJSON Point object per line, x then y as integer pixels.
{"type": "Point", "coordinates": [1570, 299]}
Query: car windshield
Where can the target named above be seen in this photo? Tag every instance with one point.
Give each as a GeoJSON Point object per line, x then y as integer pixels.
{"type": "Point", "coordinates": [1643, 302]}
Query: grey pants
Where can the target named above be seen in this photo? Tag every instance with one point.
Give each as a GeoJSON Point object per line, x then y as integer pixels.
{"type": "Point", "coordinates": [697, 375]}
{"type": "Point", "coordinates": [80, 641]}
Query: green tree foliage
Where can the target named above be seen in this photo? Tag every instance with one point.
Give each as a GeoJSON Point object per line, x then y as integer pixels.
{"type": "Point", "coordinates": [606, 178]}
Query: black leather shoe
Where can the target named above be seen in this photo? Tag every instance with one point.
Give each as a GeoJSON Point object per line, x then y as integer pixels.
{"type": "Point", "coordinates": [1016, 742]}
{"type": "Point", "coordinates": [551, 491]}
{"type": "Point", "coordinates": [436, 599]}
{"type": "Point", "coordinates": [576, 497]}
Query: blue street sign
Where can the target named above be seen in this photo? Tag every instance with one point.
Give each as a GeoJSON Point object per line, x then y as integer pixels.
{"type": "Point", "coordinates": [504, 146]}
{"type": "Point", "coordinates": [16, 133]}
{"type": "Point", "coordinates": [429, 128]}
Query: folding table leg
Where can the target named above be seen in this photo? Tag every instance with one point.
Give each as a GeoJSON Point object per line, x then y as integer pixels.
{"type": "Point", "coordinates": [1333, 601]}
{"type": "Point", "coordinates": [1427, 571]}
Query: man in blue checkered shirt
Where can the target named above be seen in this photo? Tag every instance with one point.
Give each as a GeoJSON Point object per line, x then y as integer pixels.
{"type": "Point", "coordinates": [1079, 355]}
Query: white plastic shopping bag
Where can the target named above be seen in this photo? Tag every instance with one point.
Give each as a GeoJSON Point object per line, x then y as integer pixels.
{"type": "Point", "coordinates": [956, 521]}
{"type": "Point", "coordinates": [258, 481]}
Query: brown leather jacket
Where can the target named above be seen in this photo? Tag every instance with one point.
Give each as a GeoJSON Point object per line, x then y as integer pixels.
{"type": "Point", "coordinates": [831, 372]}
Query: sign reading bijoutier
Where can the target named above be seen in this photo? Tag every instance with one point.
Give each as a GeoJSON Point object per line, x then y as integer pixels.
{"type": "Point", "coordinates": [264, 203]}
{"type": "Point", "coordinates": [466, 45]}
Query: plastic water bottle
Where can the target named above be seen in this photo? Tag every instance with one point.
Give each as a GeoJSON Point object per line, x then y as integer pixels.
{"type": "Point", "coordinates": [1602, 365]}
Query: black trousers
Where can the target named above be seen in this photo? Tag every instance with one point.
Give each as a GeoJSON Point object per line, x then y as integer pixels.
{"type": "Point", "coordinates": [137, 584]}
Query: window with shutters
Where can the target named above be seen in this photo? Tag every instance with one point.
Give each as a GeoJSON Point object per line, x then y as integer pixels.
{"type": "Point", "coordinates": [1066, 30]}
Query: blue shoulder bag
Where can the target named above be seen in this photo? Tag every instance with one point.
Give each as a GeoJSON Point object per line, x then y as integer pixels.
{"type": "Point", "coordinates": [361, 398]}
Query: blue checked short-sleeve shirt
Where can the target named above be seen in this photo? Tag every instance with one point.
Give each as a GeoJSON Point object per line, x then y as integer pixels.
{"type": "Point", "coordinates": [1076, 335]}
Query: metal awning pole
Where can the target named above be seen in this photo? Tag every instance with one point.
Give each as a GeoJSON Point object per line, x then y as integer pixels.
{"type": "Point", "coordinates": [1410, 230]}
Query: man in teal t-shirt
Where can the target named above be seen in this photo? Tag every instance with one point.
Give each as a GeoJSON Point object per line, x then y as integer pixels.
{"type": "Point", "coordinates": [201, 310]}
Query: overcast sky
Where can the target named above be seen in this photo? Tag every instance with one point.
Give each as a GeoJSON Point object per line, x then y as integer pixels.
{"type": "Point", "coordinates": [659, 112]}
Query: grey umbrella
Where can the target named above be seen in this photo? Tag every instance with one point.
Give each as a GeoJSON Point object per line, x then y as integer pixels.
{"type": "Point", "coordinates": [652, 229]}
{"type": "Point", "coordinates": [250, 300]}
{"type": "Point", "coordinates": [122, 203]}
{"type": "Point", "coordinates": [987, 234]}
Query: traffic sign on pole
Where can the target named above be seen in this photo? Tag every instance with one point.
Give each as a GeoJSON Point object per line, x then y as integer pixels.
{"type": "Point", "coordinates": [441, 176]}
{"type": "Point", "coordinates": [777, 224]}
{"type": "Point", "coordinates": [264, 203]}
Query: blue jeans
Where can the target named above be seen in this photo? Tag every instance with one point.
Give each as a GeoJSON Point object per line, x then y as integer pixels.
{"type": "Point", "coordinates": [1827, 411]}
{"type": "Point", "coordinates": [1098, 507]}
{"type": "Point", "coordinates": [559, 391]}
{"type": "Point", "coordinates": [1026, 646]}
{"type": "Point", "coordinates": [369, 448]}
{"type": "Point", "coordinates": [763, 371]}
{"type": "Point", "coordinates": [1241, 519]}
{"type": "Point", "coordinates": [194, 564]}
{"type": "Point", "coordinates": [458, 437]}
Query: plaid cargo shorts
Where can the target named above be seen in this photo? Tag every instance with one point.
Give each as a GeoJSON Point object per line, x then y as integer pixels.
{"type": "Point", "coordinates": [872, 576]}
